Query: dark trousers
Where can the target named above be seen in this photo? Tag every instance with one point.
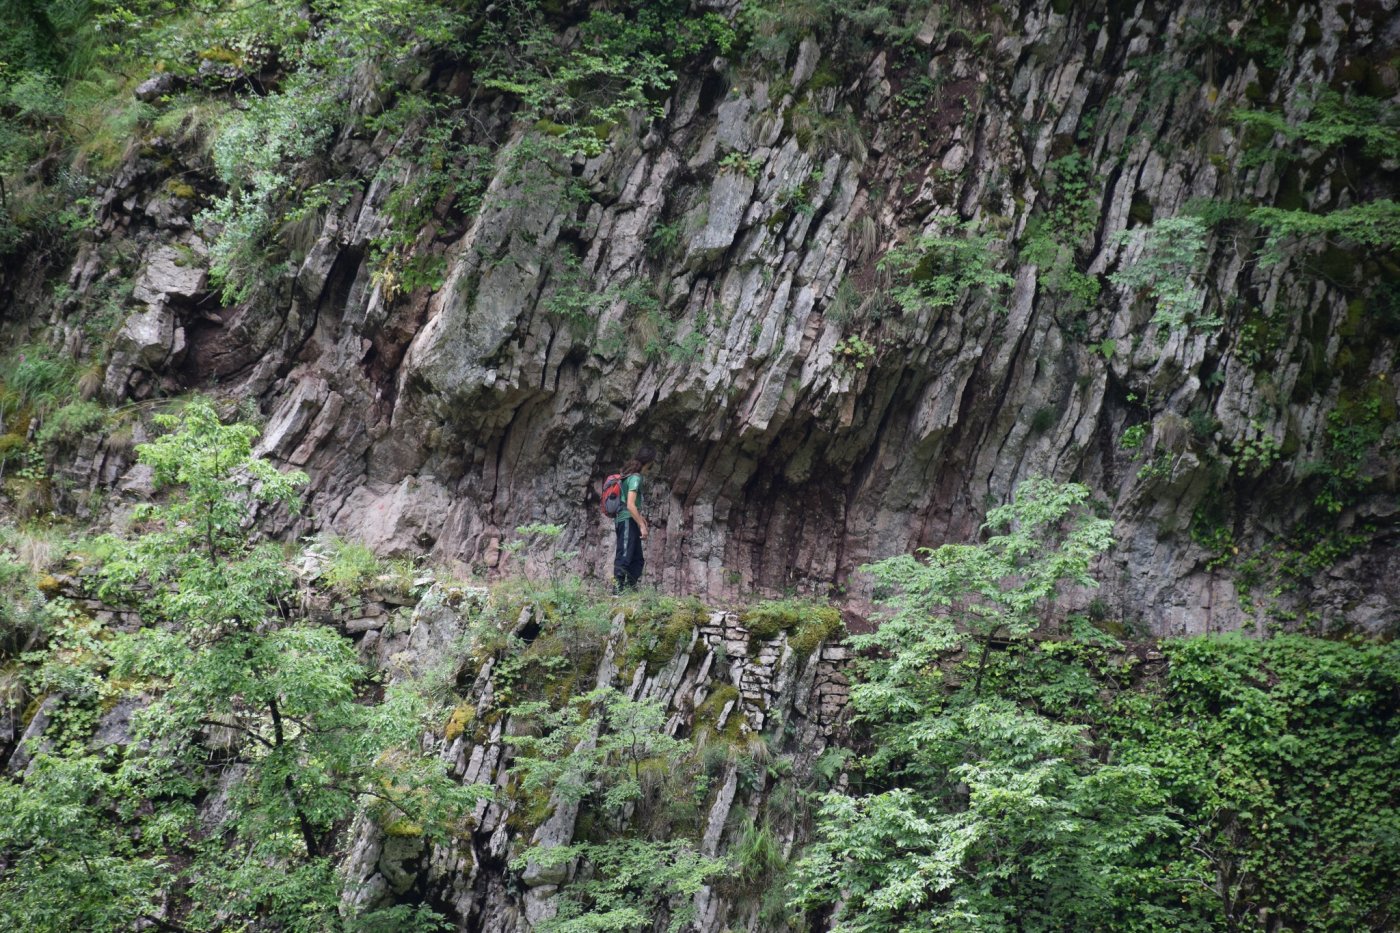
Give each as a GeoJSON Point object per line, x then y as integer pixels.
{"type": "Point", "coordinates": [628, 562]}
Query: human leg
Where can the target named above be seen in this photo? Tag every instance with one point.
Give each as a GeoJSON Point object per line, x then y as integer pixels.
{"type": "Point", "coordinates": [621, 557]}
{"type": "Point", "coordinates": [637, 558]}
{"type": "Point", "coordinates": [628, 564]}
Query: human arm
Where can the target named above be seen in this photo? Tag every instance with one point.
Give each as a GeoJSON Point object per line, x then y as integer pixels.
{"type": "Point", "coordinates": [636, 514]}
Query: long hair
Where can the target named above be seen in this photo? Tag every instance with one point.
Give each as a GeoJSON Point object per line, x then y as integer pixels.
{"type": "Point", "coordinates": [645, 454]}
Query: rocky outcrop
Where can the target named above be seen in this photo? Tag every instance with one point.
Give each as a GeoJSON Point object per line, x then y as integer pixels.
{"type": "Point", "coordinates": [738, 314]}
{"type": "Point", "coordinates": [720, 687]}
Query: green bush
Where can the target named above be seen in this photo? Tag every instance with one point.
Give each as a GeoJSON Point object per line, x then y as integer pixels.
{"type": "Point", "coordinates": [67, 426]}
{"type": "Point", "coordinates": [353, 568]}
{"type": "Point", "coordinates": [939, 269]}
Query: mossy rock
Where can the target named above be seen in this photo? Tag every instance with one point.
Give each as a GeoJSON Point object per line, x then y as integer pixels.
{"type": "Point", "coordinates": [810, 622]}
{"type": "Point", "coordinates": [705, 726]}
{"type": "Point", "coordinates": [32, 710]}
{"type": "Point", "coordinates": [463, 715]}
{"type": "Point", "coordinates": [403, 828]}
{"type": "Point", "coordinates": [810, 635]}
{"type": "Point", "coordinates": [180, 189]}
{"type": "Point", "coordinates": [656, 630]}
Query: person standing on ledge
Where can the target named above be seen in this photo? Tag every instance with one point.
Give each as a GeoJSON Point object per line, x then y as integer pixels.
{"type": "Point", "coordinates": [631, 526]}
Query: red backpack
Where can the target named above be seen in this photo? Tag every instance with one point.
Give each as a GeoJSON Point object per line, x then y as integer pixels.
{"type": "Point", "coordinates": [612, 495]}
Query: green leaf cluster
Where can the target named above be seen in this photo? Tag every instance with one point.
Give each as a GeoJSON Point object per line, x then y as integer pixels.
{"type": "Point", "coordinates": [1057, 239]}
{"type": "Point", "coordinates": [623, 62]}
{"type": "Point", "coordinates": [1169, 272]}
{"type": "Point", "coordinates": [1278, 757]}
{"type": "Point", "coordinates": [229, 694]}
{"type": "Point", "coordinates": [612, 755]}
{"type": "Point", "coordinates": [1062, 783]}
{"type": "Point", "coordinates": [941, 268]}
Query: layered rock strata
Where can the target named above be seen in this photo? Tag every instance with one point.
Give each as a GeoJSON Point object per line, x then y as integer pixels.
{"type": "Point", "coordinates": [809, 425]}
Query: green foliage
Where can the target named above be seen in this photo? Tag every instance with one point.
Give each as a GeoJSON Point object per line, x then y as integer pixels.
{"type": "Point", "coordinates": [1349, 125]}
{"type": "Point", "coordinates": [621, 63]}
{"type": "Point", "coordinates": [1058, 238]}
{"type": "Point", "coordinates": [1059, 788]}
{"type": "Point", "coordinates": [34, 377]}
{"type": "Point", "coordinates": [981, 808]}
{"type": "Point", "coordinates": [1374, 224]}
{"type": "Point", "coordinates": [853, 351]}
{"type": "Point", "coordinates": [576, 298]}
{"type": "Point", "coordinates": [1256, 451]}
{"type": "Point", "coordinates": [434, 168]}
{"type": "Point", "coordinates": [1333, 119]}
{"type": "Point", "coordinates": [79, 868]}
{"type": "Point", "coordinates": [21, 607]}
{"type": "Point", "coordinates": [940, 269]}
{"type": "Point", "coordinates": [546, 636]}
{"type": "Point", "coordinates": [352, 567]}
{"type": "Point", "coordinates": [1355, 430]}
{"type": "Point", "coordinates": [1249, 788]}
{"type": "Point", "coordinates": [599, 746]}
{"type": "Point", "coordinates": [198, 562]}
{"type": "Point", "coordinates": [71, 423]}
{"type": "Point", "coordinates": [261, 152]}
{"type": "Point", "coordinates": [256, 153]}
{"type": "Point", "coordinates": [628, 883]}
{"type": "Point", "coordinates": [772, 27]}
{"type": "Point", "coordinates": [1169, 272]}
{"type": "Point", "coordinates": [741, 164]}
{"type": "Point", "coordinates": [612, 755]}
{"type": "Point", "coordinates": [1002, 821]}
{"type": "Point", "coordinates": [1134, 436]}
{"type": "Point", "coordinates": [1278, 755]}
{"type": "Point", "coordinates": [1048, 539]}
{"type": "Point", "coordinates": [220, 674]}
{"type": "Point", "coordinates": [43, 44]}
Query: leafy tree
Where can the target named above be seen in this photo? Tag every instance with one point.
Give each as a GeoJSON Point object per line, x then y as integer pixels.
{"type": "Point", "coordinates": [998, 589]}
{"type": "Point", "coordinates": [265, 708]}
{"type": "Point", "coordinates": [71, 864]}
{"type": "Point", "coordinates": [613, 755]}
{"type": "Point", "coordinates": [196, 564]}
{"type": "Point", "coordinates": [985, 815]}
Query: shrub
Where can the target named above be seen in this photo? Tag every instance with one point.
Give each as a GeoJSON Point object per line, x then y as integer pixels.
{"type": "Point", "coordinates": [938, 269]}
{"type": "Point", "coordinates": [67, 426]}
{"type": "Point", "coordinates": [353, 567]}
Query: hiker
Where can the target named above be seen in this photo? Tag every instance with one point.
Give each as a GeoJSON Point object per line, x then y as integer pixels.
{"type": "Point", "coordinates": [631, 526]}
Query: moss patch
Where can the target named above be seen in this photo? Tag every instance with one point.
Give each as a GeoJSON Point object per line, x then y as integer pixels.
{"type": "Point", "coordinates": [657, 628]}
{"type": "Point", "coordinates": [463, 715]}
{"type": "Point", "coordinates": [403, 828]}
{"type": "Point", "coordinates": [810, 622]}
{"type": "Point", "coordinates": [810, 635]}
{"type": "Point", "coordinates": [707, 715]}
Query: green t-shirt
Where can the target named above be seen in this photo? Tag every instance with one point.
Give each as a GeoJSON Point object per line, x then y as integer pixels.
{"type": "Point", "coordinates": [629, 483]}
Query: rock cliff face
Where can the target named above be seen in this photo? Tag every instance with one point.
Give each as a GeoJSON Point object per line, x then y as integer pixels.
{"type": "Point", "coordinates": [719, 686]}
{"type": "Point", "coordinates": [808, 422]}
